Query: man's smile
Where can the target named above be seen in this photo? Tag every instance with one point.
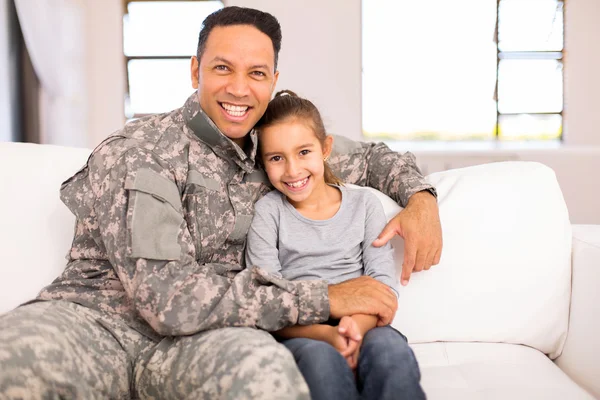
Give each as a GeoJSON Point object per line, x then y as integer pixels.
{"type": "Point", "coordinates": [235, 111]}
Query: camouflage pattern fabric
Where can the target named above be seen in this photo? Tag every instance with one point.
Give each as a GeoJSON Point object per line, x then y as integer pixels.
{"type": "Point", "coordinates": [61, 350]}
{"type": "Point", "coordinates": [162, 208]}
{"type": "Point", "coordinates": [228, 363]}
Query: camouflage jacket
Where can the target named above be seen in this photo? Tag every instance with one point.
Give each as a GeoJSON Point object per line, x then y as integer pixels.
{"type": "Point", "coordinates": [162, 209]}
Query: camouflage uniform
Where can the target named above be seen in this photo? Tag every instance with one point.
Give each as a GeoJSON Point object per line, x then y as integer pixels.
{"type": "Point", "coordinates": [155, 301]}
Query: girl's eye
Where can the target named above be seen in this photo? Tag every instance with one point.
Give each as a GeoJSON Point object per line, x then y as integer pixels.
{"type": "Point", "coordinates": [304, 152]}
{"type": "Point", "coordinates": [275, 158]}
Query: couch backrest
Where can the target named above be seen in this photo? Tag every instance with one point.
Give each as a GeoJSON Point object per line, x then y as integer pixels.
{"type": "Point", "coordinates": [505, 270]}
{"type": "Point", "coordinates": [36, 229]}
{"type": "Point", "coordinates": [504, 274]}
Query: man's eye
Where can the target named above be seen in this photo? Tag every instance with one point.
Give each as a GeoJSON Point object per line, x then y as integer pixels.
{"type": "Point", "coordinates": [259, 73]}
{"type": "Point", "coordinates": [222, 68]}
{"type": "Point", "coordinates": [275, 158]}
{"type": "Point", "coordinates": [304, 152]}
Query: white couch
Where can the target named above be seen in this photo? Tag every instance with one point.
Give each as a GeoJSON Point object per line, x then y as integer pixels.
{"type": "Point", "coordinates": [511, 312]}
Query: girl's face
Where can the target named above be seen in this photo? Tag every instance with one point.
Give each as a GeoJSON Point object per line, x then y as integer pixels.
{"type": "Point", "coordinates": [293, 158]}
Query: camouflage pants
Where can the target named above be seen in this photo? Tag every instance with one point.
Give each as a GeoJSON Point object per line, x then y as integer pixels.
{"type": "Point", "coordinates": [60, 350]}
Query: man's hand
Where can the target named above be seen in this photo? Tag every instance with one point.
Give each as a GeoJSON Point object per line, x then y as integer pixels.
{"type": "Point", "coordinates": [419, 225]}
{"type": "Point", "coordinates": [363, 295]}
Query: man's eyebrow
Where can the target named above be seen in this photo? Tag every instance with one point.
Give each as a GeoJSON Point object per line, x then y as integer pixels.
{"type": "Point", "coordinates": [260, 66]}
{"type": "Point", "coordinates": [226, 61]}
{"type": "Point", "coordinates": [221, 59]}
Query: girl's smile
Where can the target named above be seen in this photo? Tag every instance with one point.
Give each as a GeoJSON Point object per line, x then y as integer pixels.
{"type": "Point", "coordinates": [293, 158]}
{"type": "Point", "coordinates": [298, 185]}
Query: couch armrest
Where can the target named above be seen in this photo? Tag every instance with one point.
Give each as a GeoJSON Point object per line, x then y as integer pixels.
{"type": "Point", "coordinates": [580, 358]}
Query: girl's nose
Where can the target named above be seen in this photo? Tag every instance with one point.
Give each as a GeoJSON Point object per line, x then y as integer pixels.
{"type": "Point", "coordinates": [291, 168]}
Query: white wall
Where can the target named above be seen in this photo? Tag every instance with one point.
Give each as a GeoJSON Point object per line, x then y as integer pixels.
{"type": "Point", "coordinates": [582, 80]}
{"type": "Point", "coordinates": [320, 56]}
{"type": "Point", "coordinates": [321, 59]}
{"type": "Point", "coordinates": [105, 68]}
{"type": "Point", "coordinates": [6, 106]}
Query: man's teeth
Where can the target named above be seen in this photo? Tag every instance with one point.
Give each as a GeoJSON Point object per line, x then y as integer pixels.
{"type": "Point", "coordinates": [236, 111]}
{"type": "Point", "coordinates": [298, 184]}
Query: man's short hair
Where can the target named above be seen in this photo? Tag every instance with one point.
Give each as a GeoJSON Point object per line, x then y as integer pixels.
{"type": "Point", "coordinates": [227, 16]}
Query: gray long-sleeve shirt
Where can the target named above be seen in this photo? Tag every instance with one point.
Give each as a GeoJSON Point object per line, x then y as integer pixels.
{"type": "Point", "coordinates": [284, 242]}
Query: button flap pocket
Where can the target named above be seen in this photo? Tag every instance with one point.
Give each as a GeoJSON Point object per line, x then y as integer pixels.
{"type": "Point", "coordinates": [158, 186]}
{"type": "Point", "coordinates": [197, 178]}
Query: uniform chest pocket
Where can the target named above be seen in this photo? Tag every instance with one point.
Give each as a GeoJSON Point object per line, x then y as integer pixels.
{"type": "Point", "coordinates": [154, 217]}
{"type": "Point", "coordinates": [208, 214]}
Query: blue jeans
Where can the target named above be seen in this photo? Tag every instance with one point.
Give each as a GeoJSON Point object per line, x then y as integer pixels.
{"type": "Point", "coordinates": [387, 368]}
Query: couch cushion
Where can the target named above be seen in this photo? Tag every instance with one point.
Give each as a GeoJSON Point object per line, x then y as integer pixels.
{"type": "Point", "coordinates": [491, 371]}
{"type": "Point", "coordinates": [37, 229]}
{"type": "Point", "coordinates": [504, 275]}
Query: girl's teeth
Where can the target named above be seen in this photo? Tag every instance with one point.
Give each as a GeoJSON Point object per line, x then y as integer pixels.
{"type": "Point", "coordinates": [298, 184]}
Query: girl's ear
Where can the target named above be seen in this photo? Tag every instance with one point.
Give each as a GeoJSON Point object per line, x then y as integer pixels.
{"type": "Point", "coordinates": [327, 146]}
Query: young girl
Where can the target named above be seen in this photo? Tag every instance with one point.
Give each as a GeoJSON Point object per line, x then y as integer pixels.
{"type": "Point", "coordinates": [312, 227]}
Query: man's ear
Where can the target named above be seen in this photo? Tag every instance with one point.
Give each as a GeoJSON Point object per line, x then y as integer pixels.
{"type": "Point", "coordinates": [275, 78]}
{"type": "Point", "coordinates": [194, 66]}
{"type": "Point", "coordinates": [327, 146]}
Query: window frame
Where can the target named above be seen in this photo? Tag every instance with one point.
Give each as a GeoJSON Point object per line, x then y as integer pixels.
{"type": "Point", "coordinates": [150, 58]}
{"type": "Point", "coordinates": [494, 133]}
{"type": "Point", "coordinates": [529, 55]}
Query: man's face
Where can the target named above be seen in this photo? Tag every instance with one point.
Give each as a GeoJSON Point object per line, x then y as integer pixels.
{"type": "Point", "coordinates": [235, 78]}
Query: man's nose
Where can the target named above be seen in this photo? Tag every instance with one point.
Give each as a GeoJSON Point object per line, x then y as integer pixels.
{"type": "Point", "coordinates": [238, 85]}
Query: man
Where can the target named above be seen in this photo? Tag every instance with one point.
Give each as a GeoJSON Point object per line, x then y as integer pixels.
{"type": "Point", "coordinates": [154, 301]}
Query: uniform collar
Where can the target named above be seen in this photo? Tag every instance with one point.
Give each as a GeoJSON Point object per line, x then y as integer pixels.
{"type": "Point", "coordinates": [206, 130]}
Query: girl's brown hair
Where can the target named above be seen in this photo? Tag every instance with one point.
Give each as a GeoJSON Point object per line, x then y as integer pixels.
{"type": "Point", "coordinates": [288, 105]}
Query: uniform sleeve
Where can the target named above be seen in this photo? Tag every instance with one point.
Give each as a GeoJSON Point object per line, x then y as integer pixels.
{"type": "Point", "coordinates": [375, 165]}
{"type": "Point", "coordinates": [140, 216]}
{"type": "Point", "coordinates": [378, 261]}
{"type": "Point", "coordinates": [261, 243]}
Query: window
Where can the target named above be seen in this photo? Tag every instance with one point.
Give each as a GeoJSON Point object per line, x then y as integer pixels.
{"type": "Point", "coordinates": [434, 70]}
{"type": "Point", "coordinates": [159, 37]}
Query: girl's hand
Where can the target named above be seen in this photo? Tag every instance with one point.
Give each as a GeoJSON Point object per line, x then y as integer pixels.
{"type": "Point", "coordinates": [350, 330]}
{"type": "Point", "coordinates": [352, 359]}
{"type": "Point", "coordinates": [342, 344]}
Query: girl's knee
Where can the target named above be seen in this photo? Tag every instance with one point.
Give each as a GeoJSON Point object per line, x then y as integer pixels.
{"type": "Point", "coordinates": [384, 338]}
{"type": "Point", "coordinates": [318, 354]}
{"type": "Point", "coordinates": [388, 346]}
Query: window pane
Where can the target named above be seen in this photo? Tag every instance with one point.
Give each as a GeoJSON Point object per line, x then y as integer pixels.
{"type": "Point", "coordinates": [530, 126]}
{"type": "Point", "coordinates": [429, 69]}
{"type": "Point", "coordinates": [530, 86]}
{"type": "Point", "coordinates": [164, 28]}
{"type": "Point", "coordinates": [158, 85]}
{"type": "Point", "coordinates": [530, 25]}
